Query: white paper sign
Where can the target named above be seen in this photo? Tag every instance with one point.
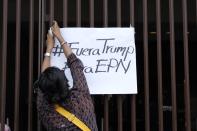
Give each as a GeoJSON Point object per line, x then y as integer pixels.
{"type": "Point", "coordinates": [109, 57]}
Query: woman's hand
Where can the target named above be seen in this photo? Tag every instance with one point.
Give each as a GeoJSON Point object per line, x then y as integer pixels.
{"type": "Point", "coordinates": [56, 31]}
{"type": "Point", "coordinates": [49, 43]}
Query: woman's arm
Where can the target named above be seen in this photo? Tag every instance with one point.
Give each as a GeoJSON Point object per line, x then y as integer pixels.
{"type": "Point", "coordinates": [56, 31]}
{"type": "Point", "coordinates": [50, 45]}
{"type": "Point", "coordinates": [75, 64]}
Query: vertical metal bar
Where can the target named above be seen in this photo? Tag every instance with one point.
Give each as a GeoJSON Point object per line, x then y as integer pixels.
{"type": "Point", "coordinates": [118, 13]}
{"type": "Point", "coordinates": [105, 13]}
{"type": "Point", "coordinates": [17, 65]}
{"type": "Point", "coordinates": [65, 13]}
{"type": "Point", "coordinates": [196, 12]}
{"type": "Point", "coordinates": [133, 97]}
{"type": "Point", "coordinates": [173, 71]}
{"type": "Point", "coordinates": [78, 13]}
{"type": "Point", "coordinates": [51, 10]}
{"type": "Point", "coordinates": [4, 61]}
{"type": "Point", "coordinates": [30, 83]}
{"type": "Point", "coordinates": [159, 65]}
{"type": "Point", "coordinates": [119, 98]}
{"type": "Point", "coordinates": [133, 112]}
{"type": "Point", "coordinates": [42, 38]}
{"type": "Point", "coordinates": [186, 68]}
{"type": "Point", "coordinates": [120, 116]}
{"type": "Point", "coordinates": [91, 3]}
{"type": "Point", "coordinates": [106, 102]}
{"type": "Point", "coordinates": [106, 113]}
{"type": "Point", "coordinates": [120, 119]}
{"type": "Point", "coordinates": [42, 30]}
{"type": "Point", "coordinates": [39, 34]}
{"type": "Point", "coordinates": [40, 48]}
{"type": "Point", "coordinates": [146, 66]}
{"type": "Point", "coordinates": [132, 12]}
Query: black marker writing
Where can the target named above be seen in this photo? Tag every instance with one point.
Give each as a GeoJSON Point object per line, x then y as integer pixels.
{"type": "Point", "coordinates": [99, 65]}
{"type": "Point", "coordinates": [57, 50]}
{"type": "Point", "coordinates": [88, 69]}
{"type": "Point", "coordinates": [84, 51]}
{"type": "Point", "coordinates": [124, 51]}
{"type": "Point", "coordinates": [108, 65]}
{"type": "Point", "coordinates": [66, 66]}
{"type": "Point", "coordinates": [103, 65]}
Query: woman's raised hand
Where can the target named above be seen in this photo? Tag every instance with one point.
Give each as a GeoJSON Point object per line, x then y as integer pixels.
{"type": "Point", "coordinates": [56, 30]}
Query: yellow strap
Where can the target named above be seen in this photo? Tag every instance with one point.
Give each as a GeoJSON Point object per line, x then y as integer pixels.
{"type": "Point", "coordinates": [71, 117]}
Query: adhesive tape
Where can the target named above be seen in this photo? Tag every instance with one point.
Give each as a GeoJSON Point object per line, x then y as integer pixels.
{"type": "Point", "coordinates": [50, 31]}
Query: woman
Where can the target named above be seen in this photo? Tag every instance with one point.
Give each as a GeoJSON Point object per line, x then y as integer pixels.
{"type": "Point", "coordinates": [54, 90]}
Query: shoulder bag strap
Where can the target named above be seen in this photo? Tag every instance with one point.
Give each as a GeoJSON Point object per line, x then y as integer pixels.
{"type": "Point", "coordinates": [71, 117]}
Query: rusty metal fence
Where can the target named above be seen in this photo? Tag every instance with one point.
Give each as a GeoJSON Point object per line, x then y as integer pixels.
{"type": "Point", "coordinates": [162, 46]}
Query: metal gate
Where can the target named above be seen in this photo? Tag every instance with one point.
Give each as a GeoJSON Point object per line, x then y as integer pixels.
{"type": "Point", "coordinates": [164, 32]}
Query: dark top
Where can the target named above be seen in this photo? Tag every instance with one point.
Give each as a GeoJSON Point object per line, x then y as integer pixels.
{"type": "Point", "coordinates": [79, 103]}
